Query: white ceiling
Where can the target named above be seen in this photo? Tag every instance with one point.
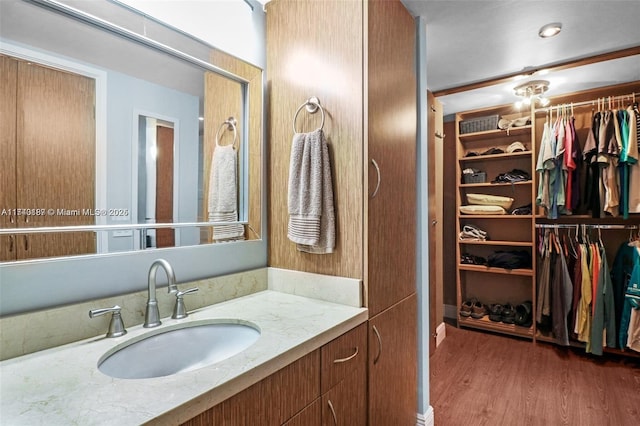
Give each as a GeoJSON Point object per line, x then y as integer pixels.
{"type": "Point", "coordinates": [473, 41]}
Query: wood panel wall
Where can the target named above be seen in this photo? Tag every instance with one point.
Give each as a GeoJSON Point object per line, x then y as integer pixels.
{"type": "Point", "coordinates": [8, 80]}
{"type": "Point", "coordinates": [256, 150]}
{"type": "Point", "coordinates": [315, 49]}
{"type": "Point", "coordinates": [223, 99]}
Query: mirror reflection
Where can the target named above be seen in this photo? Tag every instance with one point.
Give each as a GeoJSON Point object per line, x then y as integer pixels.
{"type": "Point", "coordinates": [112, 133]}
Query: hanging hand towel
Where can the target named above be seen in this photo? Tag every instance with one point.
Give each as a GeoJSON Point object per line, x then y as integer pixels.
{"type": "Point", "coordinates": [311, 216]}
{"type": "Point", "coordinates": [223, 194]}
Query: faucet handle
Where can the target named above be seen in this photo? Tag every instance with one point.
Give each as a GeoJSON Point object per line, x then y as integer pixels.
{"type": "Point", "coordinates": [116, 326]}
{"type": "Point", "coordinates": [179, 310]}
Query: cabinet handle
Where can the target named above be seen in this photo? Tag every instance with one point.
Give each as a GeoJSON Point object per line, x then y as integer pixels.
{"type": "Point", "coordinates": [333, 413]}
{"type": "Point", "coordinates": [349, 358]}
{"type": "Point", "coordinates": [26, 243]}
{"type": "Point", "coordinates": [12, 240]}
{"type": "Point", "coordinates": [440, 135]}
{"type": "Point", "coordinates": [377, 357]}
{"type": "Point", "coordinates": [375, 191]}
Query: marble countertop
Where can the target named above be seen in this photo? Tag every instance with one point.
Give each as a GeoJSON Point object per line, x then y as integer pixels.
{"type": "Point", "coordinates": [62, 385]}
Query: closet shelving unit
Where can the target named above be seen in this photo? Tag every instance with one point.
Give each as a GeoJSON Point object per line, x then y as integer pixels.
{"type": "Point", "coordinates": [506, 232]}
{"type": "Point", "coordinates": [496, 285]}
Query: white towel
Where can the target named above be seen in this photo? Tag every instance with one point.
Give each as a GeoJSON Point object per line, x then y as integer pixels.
{"type": "Point", "coordinates": [223, 194]}
{"type": "Point", "coordinates": [311, 216]}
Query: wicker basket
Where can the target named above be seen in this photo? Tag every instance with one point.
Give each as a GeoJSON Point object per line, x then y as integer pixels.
{"type": "Point", "coordinates": [479, 177]}
{"type": "Point", "coordinates": [480, 124]}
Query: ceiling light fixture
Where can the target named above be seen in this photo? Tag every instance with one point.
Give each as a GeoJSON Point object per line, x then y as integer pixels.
{"type": "Point", "coordinates": [531, 91]}
{"type": "Point", "coordinates": [550, 30]}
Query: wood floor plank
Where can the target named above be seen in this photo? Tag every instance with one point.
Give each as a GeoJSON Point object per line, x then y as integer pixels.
{"type": "Point", "coordinates": [479, 378]}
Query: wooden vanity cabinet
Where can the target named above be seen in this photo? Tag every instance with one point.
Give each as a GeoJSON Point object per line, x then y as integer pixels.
{"type": "Point", "coordinates": [292, 396]}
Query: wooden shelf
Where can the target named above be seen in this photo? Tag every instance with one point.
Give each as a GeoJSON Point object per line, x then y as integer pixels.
{"type": "Point", "coordinates": [497, 243]}
{"type": "Point", "coordinates": [491, 185]}
{"type": "Point", "coordinates": [485, 323]}
{"type": "Point", "coordinates": [494, 216]}
{"type": "Point", "coordinates": [514, 131]}
{"type": "Point", "coordinates": [505, 156]}
{"type": "Point", "coordinates": [492, 270]}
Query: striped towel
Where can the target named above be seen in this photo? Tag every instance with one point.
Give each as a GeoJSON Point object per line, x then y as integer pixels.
{"type": "Point", "coordinates": [310, 197]}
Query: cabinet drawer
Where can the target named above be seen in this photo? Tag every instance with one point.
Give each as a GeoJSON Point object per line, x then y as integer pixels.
{"type": "Point", "coordinates": [346, 403]}
{"type": "Point", "coordinates": [343, 356]}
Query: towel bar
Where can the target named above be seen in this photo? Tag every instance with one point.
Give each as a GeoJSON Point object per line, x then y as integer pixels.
{"type": "Point", "coordinates": [231, 125]}
{"type": "Point", "coordinates": [312, 104]}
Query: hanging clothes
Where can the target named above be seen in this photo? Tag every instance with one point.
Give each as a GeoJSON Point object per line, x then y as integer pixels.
{"type": "Point", "coordinates": [562, 295]}
{"type": "Point", "coordinates": [543, 168]}
{"type": "Point", "coordinates": [603, 327]}
{"type": "Point", "coordinates": [592, 182]}
{"type": "Point", "coordinates": [632, 158]}
{"type": "Point", "coordinates": [583, 319]}
{"type": "Point", "coordinates": [625, 265]}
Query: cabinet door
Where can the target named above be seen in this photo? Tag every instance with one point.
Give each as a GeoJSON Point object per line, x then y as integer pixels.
{"type": "Point", "coordinates": [55, 155]}
{"type": "Point", "coordinates": [346, 403]}
{"type": "Point", "coordinates": [391, 235]}
{"type": "Point", "coordinates": [8, 75]}
{"type": "Point", "coordinates": [393, 365]}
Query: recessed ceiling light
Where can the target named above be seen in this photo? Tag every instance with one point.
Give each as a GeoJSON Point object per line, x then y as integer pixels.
{"type": "Point", "coordinates": [550, 30]}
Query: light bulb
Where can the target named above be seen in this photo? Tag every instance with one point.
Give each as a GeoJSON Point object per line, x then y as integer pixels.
{"type": "Point", "coordinates": [544, 101]}
{"type": "Point", "coordinates": [518, 104]}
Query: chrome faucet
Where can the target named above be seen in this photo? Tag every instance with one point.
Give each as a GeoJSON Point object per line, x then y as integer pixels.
{"type": "Point", "coordinates": [152, 315]}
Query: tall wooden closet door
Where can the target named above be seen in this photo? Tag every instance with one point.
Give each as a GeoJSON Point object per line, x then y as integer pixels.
{"type": "Point", "coordinates": [55, 158]}
{"type": "Point", "coordinates": [164, 187]}
{"type": "Point", "coordinates": [8, 75]}
{"type": "Point", "coordinates": [392, 155]}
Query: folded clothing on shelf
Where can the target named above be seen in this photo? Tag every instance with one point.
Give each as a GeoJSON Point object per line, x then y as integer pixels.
{"type": "Point", "coordinates": [490, 200]}
{"type": "Point", "coordinates": [523, 210]}
{"type": "Point", "coordinates": [477, 210]}
{"type": "Point", "coordinates": [515, 175]}
{"type": "Point", "coordinates": [510, 259]}
{"type": "Point", "coordinates": [470, 259]}
{"type": "Point", "coordinates": [473, 233]}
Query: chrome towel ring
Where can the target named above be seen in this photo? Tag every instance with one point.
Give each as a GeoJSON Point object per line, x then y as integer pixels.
{"type": "Point", "coordinates": [231, 124]}
{"type": "Point", "coordinates": [313, 105]}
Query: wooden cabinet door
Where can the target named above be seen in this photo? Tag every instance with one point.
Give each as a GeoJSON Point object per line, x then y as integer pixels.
{"type": "Point", "coordinates": [391, 123]}
{"type": "Point", "coordinates": [8, 80]}
{"type": "Point", "coordinates": [345, 404]}
{"type": "Point", "coordinates": [55, 156]}
{"type": "Point", "coordinates": [393, 365]}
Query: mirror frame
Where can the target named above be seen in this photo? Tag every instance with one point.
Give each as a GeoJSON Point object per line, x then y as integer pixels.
{"type": "Point", "coordinates": [27, 285]}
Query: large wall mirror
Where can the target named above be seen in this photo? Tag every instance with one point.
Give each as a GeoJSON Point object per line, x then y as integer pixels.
{"type": "Point", "coordinates": [121, 134]}
{"type": "Point", "coordinates": [142, 105]}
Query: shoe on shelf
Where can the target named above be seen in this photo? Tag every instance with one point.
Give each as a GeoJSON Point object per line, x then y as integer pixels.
{"type": "Point", "coordinates": [478, 310]}
{"type": "Point", "coordinates": [523, 315]}
{"type": "Point", "coordinates": [467, 308]}
{"type": "Point", "coordinates": [508, 314]}
{"type": "Point", "coordinates": [495, 312]}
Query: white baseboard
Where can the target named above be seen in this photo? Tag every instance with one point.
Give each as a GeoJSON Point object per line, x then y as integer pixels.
{"type": "Point", "coordinates": [450, 311]}
{"type": "Point", "coordinates": [441, 333]}
{"type": "Point", "coordinates": [426, 419]}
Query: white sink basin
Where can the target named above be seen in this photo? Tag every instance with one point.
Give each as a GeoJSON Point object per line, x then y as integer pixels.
{"type": "Point", "coordinates": [178, 349]}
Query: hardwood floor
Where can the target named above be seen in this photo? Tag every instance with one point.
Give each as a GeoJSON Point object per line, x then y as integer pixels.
{"type": "Point", "coordinates": [483, 379]}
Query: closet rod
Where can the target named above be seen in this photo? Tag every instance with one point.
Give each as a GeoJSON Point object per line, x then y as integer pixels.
{"type": "Point", "coordinates": [594, 226]}
{"type": "Point", "coordinates": [592, 102]}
